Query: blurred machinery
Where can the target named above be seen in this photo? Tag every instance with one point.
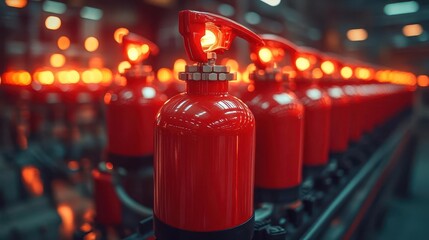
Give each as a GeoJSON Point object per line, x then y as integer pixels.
{"type": "Point", "coordinates": [305, 144]}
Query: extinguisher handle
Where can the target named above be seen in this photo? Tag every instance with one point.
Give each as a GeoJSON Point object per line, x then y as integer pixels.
{"type": "Point", "coordinates": [273, 42]}
{"type": "Point", "coordinates": [132, 38]}
{"type": "Point", "coordinates": [192, 27]}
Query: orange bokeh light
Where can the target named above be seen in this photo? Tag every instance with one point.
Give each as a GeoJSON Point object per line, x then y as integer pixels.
{"type": "Point", "coordinates": [302, 63]}
{"type": "Point", "coordinates": [45, 77]}
{"type": "Point", "coordinates": [91, 44]}
{"type": "Point", "coordinates": [32, 180]}
{"type": "Point", "coordinates": [164, 75]}
{"type": "Point", "coordinates": [423, 80]}
{"type": "Point", "coordinates": [123, 66]}
{"type": "Point", "coordinates": [328, 67]}
{"type": "Point", "coordinates": [16, 3]}
{"type": "Point", "coordinates": [137, 53]}
{"type": "Point", "coordinates": [346, 72]}
{"type": "Point", "coordinates": [317, 73]}
{"type": "Point", "coordinates": [63, 42]}
{"type": "Point", "coordinates": [265, 55]}
{"type": "Point", "coordinates": [119, 34]}
{"type": "Point", "coordinates": [57, 60]}
{"type": "Point", "coordinates": [92, 76]}
{"type": "Point", "coordinates": [53, 22]}
{"type": "Point", "coordinates": [68, 77]}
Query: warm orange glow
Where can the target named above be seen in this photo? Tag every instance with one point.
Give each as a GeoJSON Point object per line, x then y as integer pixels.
{"type": "Point", "coordinates": [179, 66]}
{"type": "Point", "coordinates": [289, 71]}
{"type": "Point", "coordinates": [53, 23]}
{"type": "Point", "coordinates": [68, 77]}
{"type": "Point", "coordinates": [328, 67]}
{"type": "Point", "coordinates": [32, 180]}
{"type": "Point", "coordinates": [107, 98]}
{"type": "Point", "coordinates": [137, 53]}
{"type": "Point", "coordinates": [346, 72]}
{"type": "Point", "coordinates": [91, 44]}
{"type": "Point", "coordinates": [249, 69]}
{"type": "Point", "coordinates": [358, 34]}
{"type": "Point", "coordinates": [107, 76]}
{"type": "Point", "coordinates": [119, 34]}
{"type": "Point", "coordinates": [92, 76]}
{"type": "Point", "coordinates": [412, 30]}
{"type": "Point", "coordinates": [44, 77]}
{"type": "Point", "coordinates": [265, 55]}
{"type": "Point", "coordinates": [67, 218]}
{"type": "Point", "coordinates": [423, 80]}
{"type": "Point", "coordinates": [302, 63]}
{"type": "Point", "coordinates": [57, 60]}
{"type": "Point", "coordinates": [233, 65]}
{"type": "Point", "coordinates": [86, 227]}
{"type": "Point", "coordinates": [24, 78]}
{"type": "Point", "coordinates": [18, 78]}
{"type": "Point", "coordinates": [363, 73]}
{"type": "Point", "coordinates": [90, 236]}
{"type": "Point", "coordinates": [16, 3]}
{"type": "Point", "coordinates": [208, 40]}
{"type": "Point", "coordinates": [123, 66]}
{"type": "Point", "coordinates": [164, 75]}
{"type": "Point", "coordinates": [317, 73]}
{"type": "Point", "coordinates": [96, 62]}
{"type": "Point", "coordinates": [73, 165]}
{"type": "Point", "coordinates": [63, 43]}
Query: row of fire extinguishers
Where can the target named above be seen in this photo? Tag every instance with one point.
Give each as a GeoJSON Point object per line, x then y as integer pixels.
{"type": "Point", "coordinates": [216, 157]}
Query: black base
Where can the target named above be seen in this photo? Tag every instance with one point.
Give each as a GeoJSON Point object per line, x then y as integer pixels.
{"type": "Point", "coordinates": [130, 163]}
{"type": "Point", "coordinates": [285, 195]}
{"type": "Point", "coordinates": [166, 232]}
{"type": "Point", "coordinates": [313, 171]}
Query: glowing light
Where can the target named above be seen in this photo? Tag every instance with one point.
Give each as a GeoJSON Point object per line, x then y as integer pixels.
{"type": "Point", "coordinates": [233, 65]}
{"type": "Point", "coordinates": [53, 23]}
{"type": "Point", "coordinates": [91, 44]}
{"type": "Point", "coordinates": [68, 77]}
{"type": "Point", "coordinates": [109, 166]}
{"type": "Point", "coordinates": [136, 53]}
{"type": "Point", "coordinates": [164, 75]}
{"type": "Point", "coordinates": [249, 69]}
{"type": "Point", "coordinates": [119, 34]}
{"type": "Point", "coordinates": [423, 80]}
{"type": "Point", "coordinates": [401, 8]}
{"type": "Point", "coordinates": [346, 72]}
{"type": "Point", "coordinates": [63, 42]}
{"type": "Point", "coordinates": [328, 67]}
{"type": "Point", "coordinates": [358, 34]}
{"type": "Point", "coordinates": [92, 76]}
{"type": "Point", "coordinates": [73, 165]}
{"type": "Point", "coordinates": [44, 77]}
{"type": "Point", "coordinates": [208, 40]}
{"type": "Point", "coordinates": [123, 65]}
{"type": "Point", "coordinates": [317, 73]}
{"type": "Point", "coordinates": [107, 98]}
{"type": "Point", "coordinates": [302, 63]}
{"type": "Point", "coordinates": [178, 66]}
{"type": "Point", "coordinates": [265, 55]}
{"type": "Point", "coordinates": [32, 180]}
{"type": "Point", "coordinates": [57, 60]}
{"type": "Point", "coordinates": [16, 3]}
{"type": "Point", "coordinates": [107, 76]}
{"type": "Point", "coordinates": [96, 62]}
{"type": "Point", "coordinates": [272, 3]}
{"type": "Point", "coordinates": [363, 73]}
{"type": "Point", "coordinates": [67, 218]}
{"type": "Point", "coordinates": [412, 30]}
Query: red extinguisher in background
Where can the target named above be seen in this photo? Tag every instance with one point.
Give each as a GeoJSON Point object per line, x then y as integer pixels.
{"type": "Point", "coordinates": [279, 119]}
{"type": "Point", "coordinates": [317, 105]}
{"type": "Point", "coordinates": [340, 110]}
{"type": "Point", "coordinates": [130, 116]}
{"type": "Point", "coordinates": [204, 142]}
{"type": "Point", "coordinates": [131, 109]}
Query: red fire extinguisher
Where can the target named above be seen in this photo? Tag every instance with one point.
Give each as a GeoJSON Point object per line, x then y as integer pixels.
{"type": "Point", "coordinates": [317, 106]}
{"type": "Point", "coordinates": [340, 109]}
{"type": "Point", "coordinates": [204, 142]}
{"type": "Point", "coordinates": [131, 109]}
{"type": "Point", "coordinates": [279, 119]}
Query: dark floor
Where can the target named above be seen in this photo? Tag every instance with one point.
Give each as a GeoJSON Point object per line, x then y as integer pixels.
{"type": "Point", "coordinates": [408, 218]}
